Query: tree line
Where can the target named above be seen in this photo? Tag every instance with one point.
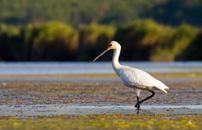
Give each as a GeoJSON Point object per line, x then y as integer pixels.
{"type": "Point", "coordinates": [118, 12]}
{"type": "Point", "coordinates": [58, 41]}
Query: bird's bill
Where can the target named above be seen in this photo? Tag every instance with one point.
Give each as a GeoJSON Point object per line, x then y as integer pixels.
{"type": "Point", "coordinates": [101, 54]}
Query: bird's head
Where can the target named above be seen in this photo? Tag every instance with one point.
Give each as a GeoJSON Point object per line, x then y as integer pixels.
{"type": "Point", "coordinates": [113, 45]}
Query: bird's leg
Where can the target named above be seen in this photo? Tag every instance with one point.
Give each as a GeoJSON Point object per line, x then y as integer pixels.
{"type": "Point", "coordinates": [137, 95]}
{"type": "Point", "coordinates": [137, 105]}
{"type": "Point", "coordinates": [153, 93]}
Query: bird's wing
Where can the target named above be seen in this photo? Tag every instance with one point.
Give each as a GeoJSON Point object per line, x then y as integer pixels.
{"type": "Point", "coordinates": [133, 76]}
{"type": "Point", "coordinates": [139, 78]}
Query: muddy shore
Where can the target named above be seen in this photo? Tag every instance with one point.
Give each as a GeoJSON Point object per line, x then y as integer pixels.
{"type": "Point", "coordinates": [95, 90]}
{"type": "Point", "coordinates": [20, 93]}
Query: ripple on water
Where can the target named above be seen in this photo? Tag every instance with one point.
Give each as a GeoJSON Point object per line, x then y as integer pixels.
{"type": "Point", "coordinates": [64, 109]}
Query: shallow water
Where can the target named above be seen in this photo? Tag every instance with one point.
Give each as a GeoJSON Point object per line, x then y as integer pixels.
{"type": "Point", "coordinates": [12, 95]}
{"type": "Point", "coordinates": [74, 109]}
{"type": "Point", "coordinates": [93, 67]}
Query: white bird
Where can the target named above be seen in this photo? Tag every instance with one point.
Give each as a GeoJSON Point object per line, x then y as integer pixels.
{"type": "Point", "coordinates": [133, 77]}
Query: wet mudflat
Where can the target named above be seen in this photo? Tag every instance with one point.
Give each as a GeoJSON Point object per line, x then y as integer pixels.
{"type": "Point", "coordinates": [104, 94]}
{"type": "Point", "coordinates": [97, 102]}
{"type": "Point", "coordinates": [48, 110]}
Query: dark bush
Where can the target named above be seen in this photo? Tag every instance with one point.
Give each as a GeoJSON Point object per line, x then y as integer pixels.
{"type": "Point", "coordinates": [94, 39]}
{"type": "Point", "coordinates": [172, 48]}
{"type": "Point", "coordinates": [141, 38]}
{"type": "Point", "coordinates": [10, 43]}
{"type": "Point", "coordinates": [193, 50]}
{"type": "Point", "coordinates": [55, 41]}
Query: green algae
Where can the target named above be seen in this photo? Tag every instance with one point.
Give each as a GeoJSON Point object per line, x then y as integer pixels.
{"type": "Point", "coordinates": [99, 122]}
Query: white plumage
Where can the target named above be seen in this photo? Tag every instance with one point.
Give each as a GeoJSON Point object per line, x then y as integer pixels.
{"type": "Point", "coordinates": [133, 77]}
{"type": "Point", "coordinates": [136, 77]}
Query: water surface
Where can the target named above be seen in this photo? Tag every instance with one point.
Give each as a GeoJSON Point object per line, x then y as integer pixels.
{"type": "Point", "coordinates": [74, 109]}
{"type": "Point", "coordinates": [93, 67]}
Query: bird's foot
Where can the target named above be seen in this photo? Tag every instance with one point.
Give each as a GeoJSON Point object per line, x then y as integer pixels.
{"type": "Point", "coordinates": [137, 105]}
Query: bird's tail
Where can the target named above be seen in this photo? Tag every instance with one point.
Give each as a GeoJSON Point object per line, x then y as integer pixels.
{"type": "Point", "coordinates": [162, 86]}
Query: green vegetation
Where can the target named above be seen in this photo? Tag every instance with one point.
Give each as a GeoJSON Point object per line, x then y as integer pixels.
{"type": "Point", "coordinates": [142, 37]}
{"type": "Point", "coordinates": [58, 41]}
{"type": "Point", "coordinates": [147, 40]}
{"type": "Point", "coordinates": [177, 42]}
{"type": "Point", "coordinates": [99, 122]}
{"type": "Point", "coordinates": [77, 30]}
{"type": "Point", "coordinates": [76, 12]}
{"type": "Point", "coordinates": [54, 41]}
{"type": "Point", "coordinates": [94, 38]}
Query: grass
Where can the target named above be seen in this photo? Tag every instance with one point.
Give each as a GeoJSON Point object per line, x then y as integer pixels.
{"type": "Point", "coordinates": [100, 122]}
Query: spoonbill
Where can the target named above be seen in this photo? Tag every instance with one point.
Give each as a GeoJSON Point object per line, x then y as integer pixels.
{"type": "Point", "coordinates": [133, 77]}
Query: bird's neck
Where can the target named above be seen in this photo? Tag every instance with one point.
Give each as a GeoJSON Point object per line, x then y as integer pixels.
{"type": "Point", "coordinates": [115, 60]}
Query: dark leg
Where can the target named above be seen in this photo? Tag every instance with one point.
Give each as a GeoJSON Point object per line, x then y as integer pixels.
{"type": "Point", "coordinates": [153, 93]}
{"type": "Point", "coordinates": [137, 105]}
{"type": "Point", "coordinates": [138, 99]}
{"type": "Point", "coordinates": [139, 102]}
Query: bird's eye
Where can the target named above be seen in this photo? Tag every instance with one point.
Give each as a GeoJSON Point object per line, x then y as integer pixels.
{"type": "Point", "coordinates": [110, 45]}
